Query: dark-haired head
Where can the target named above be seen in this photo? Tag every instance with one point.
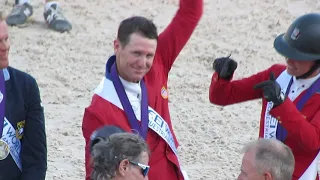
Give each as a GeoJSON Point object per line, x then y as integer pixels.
{"type": "Point", "coordinates": [135, 47]}
{"type": "Point", "coordinates": [139, 25]}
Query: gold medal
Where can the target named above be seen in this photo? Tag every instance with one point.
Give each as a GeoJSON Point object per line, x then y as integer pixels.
{"type": "Point", "coordinates": [4, 150]}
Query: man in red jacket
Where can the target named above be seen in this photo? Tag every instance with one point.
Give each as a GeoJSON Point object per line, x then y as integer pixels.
{"type": "Point", "coordinates": [133, 94]}
{"type": "Point", "coordinates": [290, 102]}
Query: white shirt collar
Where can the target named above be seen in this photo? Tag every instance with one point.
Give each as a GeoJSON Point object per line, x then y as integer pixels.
{"type": "Point", "coordinates": [6, 74]}
{"type": "Point", "coordinates": [305, 82]}
{"type": "Point", "coordinates": [132, 88]}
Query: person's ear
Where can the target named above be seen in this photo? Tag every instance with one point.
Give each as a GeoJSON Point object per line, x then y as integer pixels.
{"type": "Point", "coordinates": [116, 46]}
{"type": "Point", "coordinates": [123, 167]}
{"type": "Point", "coordinates": [267, 176]}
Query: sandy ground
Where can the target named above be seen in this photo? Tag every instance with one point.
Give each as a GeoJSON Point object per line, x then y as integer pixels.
{"type": "Point", "coordinates": [69, 66]}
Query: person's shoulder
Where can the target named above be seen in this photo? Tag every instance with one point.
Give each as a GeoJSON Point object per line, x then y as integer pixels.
{"type": "Point", "coordinates": [19, 75]}
{"type": "Point", "coordinates": [97, 102]}
{"type": "Point", "coordinates": [278, 67]}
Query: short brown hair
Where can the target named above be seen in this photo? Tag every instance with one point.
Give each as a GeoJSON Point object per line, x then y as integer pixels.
{"type": "Point", "coordinates": [136, 24]}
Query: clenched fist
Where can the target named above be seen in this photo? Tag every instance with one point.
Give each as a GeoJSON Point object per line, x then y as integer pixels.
{"type": "Point", "coordinates": [225, 67]}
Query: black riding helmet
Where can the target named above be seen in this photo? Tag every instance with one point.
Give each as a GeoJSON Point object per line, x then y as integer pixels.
{"type": "Point", "coordinates": [301, 41]}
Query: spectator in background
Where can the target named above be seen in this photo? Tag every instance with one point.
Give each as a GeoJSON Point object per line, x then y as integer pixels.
{"type": "Point", "coordinates": [118, 155]}
{"type": "Point", "coordinates": [267, 159]}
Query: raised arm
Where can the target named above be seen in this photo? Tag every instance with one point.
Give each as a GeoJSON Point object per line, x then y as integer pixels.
{"type": "Point", "coordinates": [175, 36]}
{"type": "Point", "coordinates": [34, 145]}
{"type": "Point", "coordinates": [226, 92]}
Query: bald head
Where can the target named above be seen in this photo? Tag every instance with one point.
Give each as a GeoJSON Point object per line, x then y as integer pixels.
{"type": "Point", "coordinates": [272, 156]}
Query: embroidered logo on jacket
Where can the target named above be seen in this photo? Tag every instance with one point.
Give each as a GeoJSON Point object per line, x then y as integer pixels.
{"type": "Point", "coordinates": [19, 131]}
{"type": "Point", "coordinates": [164, 92]}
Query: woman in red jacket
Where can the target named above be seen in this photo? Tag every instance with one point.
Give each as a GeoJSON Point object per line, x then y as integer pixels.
{"type": "Point", "coordinates": [290, 94]}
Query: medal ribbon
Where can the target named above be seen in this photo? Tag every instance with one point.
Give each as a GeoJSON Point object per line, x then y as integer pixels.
{"type": "Point", "coordinates": [143, 129]}
{"type": "Point", "coordinates": [2, 101]}
{"type": "Point", "coordinates": [281, 131]}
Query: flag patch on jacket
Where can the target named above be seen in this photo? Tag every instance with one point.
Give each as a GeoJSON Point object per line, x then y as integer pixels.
{"type": "Point", "coordinates": [164, 92]}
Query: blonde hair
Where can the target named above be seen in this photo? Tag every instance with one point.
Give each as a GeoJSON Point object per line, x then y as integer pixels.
{"type": "Point", "coordinates": [2, 16]}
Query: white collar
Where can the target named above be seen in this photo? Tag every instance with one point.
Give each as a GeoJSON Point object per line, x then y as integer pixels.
{"type": "Point", "coordinates": [305, 82]}
{"type": "Point", "coordinates": [6, 74]}
{"type": "Point", "coordinates": [132, 88]}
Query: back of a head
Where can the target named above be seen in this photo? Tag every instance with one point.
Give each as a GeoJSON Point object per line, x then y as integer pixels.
{"type": "Point", "coordinates": [103, 133]}
{"type": "Point", "coordinates": [274, 157]}
{"type": "Point", "coordinates": [108, 153]}
{"type": "Point", "coordinates": [136, 24]}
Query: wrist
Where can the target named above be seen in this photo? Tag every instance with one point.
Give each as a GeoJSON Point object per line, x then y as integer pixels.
{"type": "Point", "coordinates": [226, 77]}
{"type": "Point", "coordinates": [280, 99]}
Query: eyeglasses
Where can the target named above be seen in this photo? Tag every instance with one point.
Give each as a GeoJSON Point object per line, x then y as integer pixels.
{"type": "Point", "coordinates": [144, 168]}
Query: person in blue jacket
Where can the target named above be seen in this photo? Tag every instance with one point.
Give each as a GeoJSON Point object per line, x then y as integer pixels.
{"type": "Point", "coordinates": [23, 146]}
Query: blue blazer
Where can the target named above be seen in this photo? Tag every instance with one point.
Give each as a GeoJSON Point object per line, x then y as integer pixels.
{"type": "Point", "coordinates": [23, 104]}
